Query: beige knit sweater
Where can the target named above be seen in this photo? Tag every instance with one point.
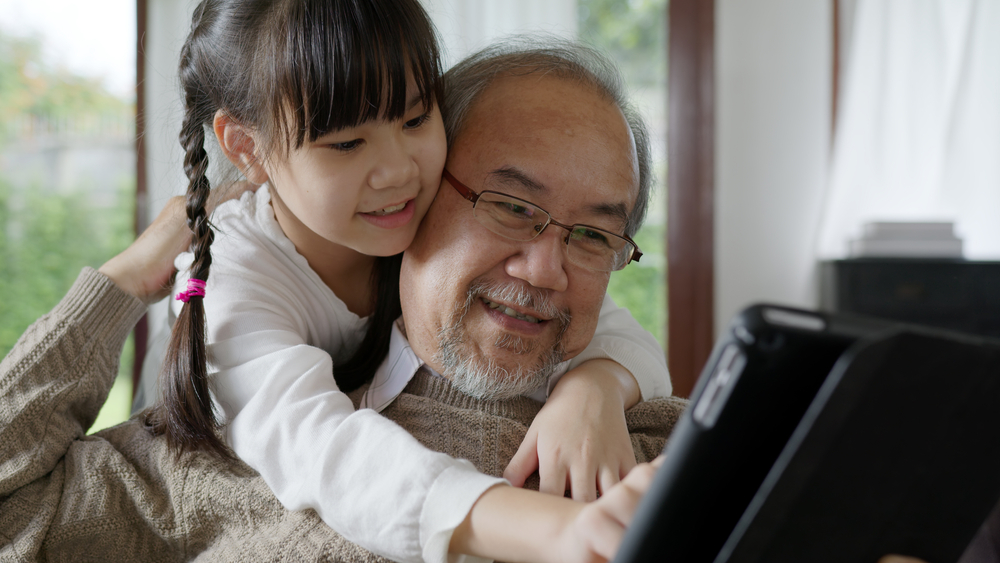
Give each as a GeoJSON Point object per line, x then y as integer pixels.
{"type": "Point", "coordinates": [120, 495]}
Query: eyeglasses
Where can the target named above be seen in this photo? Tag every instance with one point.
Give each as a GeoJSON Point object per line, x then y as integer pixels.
{"type": "Point", "coordinates": [516, 219]}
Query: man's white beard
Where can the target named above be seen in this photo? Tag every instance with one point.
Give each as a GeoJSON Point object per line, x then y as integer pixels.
{"type": "Point", "coordinates": [484, 378]}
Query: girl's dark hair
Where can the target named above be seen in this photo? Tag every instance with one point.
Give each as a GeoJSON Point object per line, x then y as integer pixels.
{"type": "Point", "coordinates": [291, 71]}
{"type": "Point", "coordinates": [361, 366]}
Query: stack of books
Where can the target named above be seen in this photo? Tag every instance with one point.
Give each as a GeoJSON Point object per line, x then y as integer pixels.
{"type": "Point", "coordinates": [886, 239]}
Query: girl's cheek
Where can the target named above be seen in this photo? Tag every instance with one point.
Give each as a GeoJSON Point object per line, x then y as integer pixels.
{"type": "Point", "coordinates": [434, 189]}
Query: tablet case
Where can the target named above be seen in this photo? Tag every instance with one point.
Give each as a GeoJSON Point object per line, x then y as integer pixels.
{"type": "Point", "coordinates": [898, 453]}
{"type": "Point", "coordinates": [758, 382]}
{"type": "Point", "coordinates": [799, 466]}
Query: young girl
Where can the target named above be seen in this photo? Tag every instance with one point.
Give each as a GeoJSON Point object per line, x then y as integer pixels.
{"type": "Point", "coordinates": [333, 107]}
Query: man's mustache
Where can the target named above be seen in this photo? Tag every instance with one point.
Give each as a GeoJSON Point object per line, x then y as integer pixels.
{"type": "Point", "coordinates": [484, 377]}
{"type": "Point", "coordinates": [520, 295]}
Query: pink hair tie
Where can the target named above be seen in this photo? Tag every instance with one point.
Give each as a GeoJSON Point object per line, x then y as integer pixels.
{"type": "Point", "coordinates": [195, 288]}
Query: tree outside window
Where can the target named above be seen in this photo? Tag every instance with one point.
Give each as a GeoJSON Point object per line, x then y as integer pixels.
{"type": "Point", "coordinates": [634, 33]}
{"type": "Point", "coordinates": [67, 184]}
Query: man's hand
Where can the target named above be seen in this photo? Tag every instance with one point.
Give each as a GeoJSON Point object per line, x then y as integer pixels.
{"type": "Point", "coordinates": [146, 268]}
{"type": "Point", "coordinates": [579, 440]}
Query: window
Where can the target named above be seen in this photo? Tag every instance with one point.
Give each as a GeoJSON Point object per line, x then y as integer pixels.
{"type": "Point", "coordinates": [633, 32]}
{"type": "Point", "coordinates": [67, 159]}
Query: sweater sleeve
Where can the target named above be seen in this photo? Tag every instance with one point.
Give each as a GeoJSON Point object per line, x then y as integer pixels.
{"type": "Point", "coordinates": [366, 477]}
{"type": "Point", "coordinates": [55, 379]}
{"type": "Point", "coordinates": [620, 338]}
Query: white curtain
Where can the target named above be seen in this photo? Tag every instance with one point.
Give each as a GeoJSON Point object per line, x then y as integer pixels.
{"type": "Point", "coordinates": [468, 25]}
{"type": "Point", "coordinates": [918, 127]}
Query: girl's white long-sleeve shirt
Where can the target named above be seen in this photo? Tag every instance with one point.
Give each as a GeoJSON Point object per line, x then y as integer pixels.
{"type": "Point", "coordinates": [275, 331]}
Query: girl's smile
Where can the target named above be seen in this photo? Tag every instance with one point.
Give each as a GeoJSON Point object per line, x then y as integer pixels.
{"type": "Point", "coordinates": [391, 217]}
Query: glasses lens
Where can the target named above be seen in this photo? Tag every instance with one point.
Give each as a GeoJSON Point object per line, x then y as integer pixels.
{"type": "Point", "coordinates": [598, 250]}
{"type": "Point", "coordinates": [517, 219]}
{"type": "Point", "coordinates": [508, 216]}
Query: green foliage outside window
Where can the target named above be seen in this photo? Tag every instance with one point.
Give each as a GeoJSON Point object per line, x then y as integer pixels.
{"type": "Point", "coordinates": [31, 87]}
{"type": "Point", "coordinates": [47, 239]}
{"type": "Point", "coordinates": [641, 288]}
{"type": "Point", "coordinates": [633, 33]}
{"type": "Point", "coordinates": [48, 233]}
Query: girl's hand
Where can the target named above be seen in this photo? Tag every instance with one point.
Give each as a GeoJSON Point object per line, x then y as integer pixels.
{"type": "Point", "coordinates": [512, 524]}
{"type": "Point", "coordinates": [579, 440]}
{"type": "Point", "coordinates": [597, 531]}
{"type": "Point", "coordinates": [146, 268]}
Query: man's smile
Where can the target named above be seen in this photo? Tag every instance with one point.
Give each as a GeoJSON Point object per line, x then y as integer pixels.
{"type": "Point", "coordinates": [516, 309]}
{"type": "Point", "coordinates": [509, 311]}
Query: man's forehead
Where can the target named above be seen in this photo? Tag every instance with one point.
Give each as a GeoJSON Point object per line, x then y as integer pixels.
{"type": "Point", "coordinates": [531, 96]}
{"type": "Point", "coordinates": [541, 131]}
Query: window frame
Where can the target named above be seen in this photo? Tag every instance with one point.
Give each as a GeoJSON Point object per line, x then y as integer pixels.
{"type": "Point", "coordinates": [690, 190]}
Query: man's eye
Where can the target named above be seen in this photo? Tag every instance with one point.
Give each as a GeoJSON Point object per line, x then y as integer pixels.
{"type": "Point", "coordinates": [416, 122]}
{"type": "Point", "coordinates": [515, 209]}
{"type": "Point", "coordinates": [346, 146]}
{"type": "Point", "coordinates": [590, 237]}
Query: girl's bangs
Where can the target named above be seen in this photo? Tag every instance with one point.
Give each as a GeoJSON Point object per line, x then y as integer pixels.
{"type": "Point", "coordinates": [349, 63]}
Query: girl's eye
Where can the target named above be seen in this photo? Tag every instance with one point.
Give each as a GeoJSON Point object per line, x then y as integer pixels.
{"type": "Point", "coordinates": [346, 146]}
{"type": "Point", "coordinates": [417, 121]}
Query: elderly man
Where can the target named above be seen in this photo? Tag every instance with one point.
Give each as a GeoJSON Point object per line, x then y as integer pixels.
{"type": "Point", "coordinates": [537, 154]}
{"type": "Point", "coordinates": [546, 135]}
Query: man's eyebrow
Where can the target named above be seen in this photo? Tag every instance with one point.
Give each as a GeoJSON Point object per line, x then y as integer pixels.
{"type": "Point", "coordinates": [508, 175]}
{"type": "Point", "coordinates": [617, 211]}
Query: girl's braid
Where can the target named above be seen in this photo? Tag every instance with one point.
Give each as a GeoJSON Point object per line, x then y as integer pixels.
{"type": "Point", "coordinates": [186, 414]}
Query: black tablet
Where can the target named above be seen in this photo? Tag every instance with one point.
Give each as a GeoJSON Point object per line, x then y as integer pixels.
{"type": "Point", "coordinates": [815, 437]}
{"type": "Point", "coordinates": [761, 377]}
{"type": "Point", "coordinates": [898, 453]}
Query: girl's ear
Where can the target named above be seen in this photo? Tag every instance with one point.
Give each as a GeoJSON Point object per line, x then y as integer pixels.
{"type": "Point", "coordinates": [239, 146]}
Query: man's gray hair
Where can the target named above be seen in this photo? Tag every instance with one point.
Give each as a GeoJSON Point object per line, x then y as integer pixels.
{"type": "Point", "coordinates": [520, 55]}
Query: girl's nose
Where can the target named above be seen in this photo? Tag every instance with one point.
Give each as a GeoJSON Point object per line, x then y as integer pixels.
{"type": "Point", "coordinates": [395, 167]}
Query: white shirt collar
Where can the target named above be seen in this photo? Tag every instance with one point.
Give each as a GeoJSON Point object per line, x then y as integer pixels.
{"type": "Point", "coordinates": [398, 368]}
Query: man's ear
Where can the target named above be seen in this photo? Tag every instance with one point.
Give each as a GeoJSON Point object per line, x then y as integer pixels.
{"type": "Point", "coordinates": [239, 146]}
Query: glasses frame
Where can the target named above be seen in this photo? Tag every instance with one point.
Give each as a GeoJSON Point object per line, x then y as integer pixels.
{"type": "Point", "coordinates": [473, 196]}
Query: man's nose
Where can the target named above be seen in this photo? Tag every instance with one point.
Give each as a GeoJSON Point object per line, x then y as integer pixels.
{"type": "Point", "coordinates": [542, 261]}
{"type": "Point", "coordinates": [395, 165]}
